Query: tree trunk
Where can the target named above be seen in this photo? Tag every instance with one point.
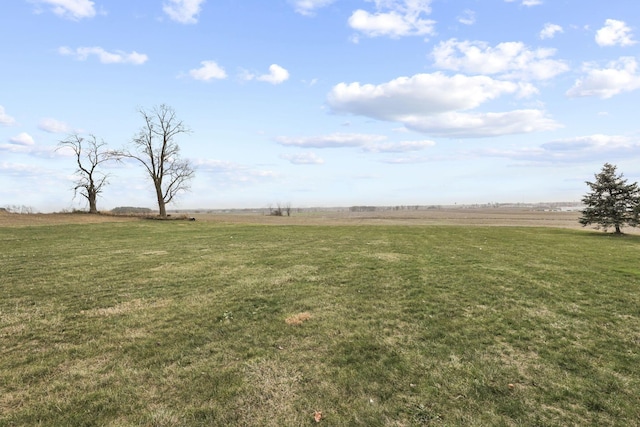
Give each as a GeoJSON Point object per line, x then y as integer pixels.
{"type": "Point", "coordinates": [93, 209]}
{"type": "Point", "coordinates": [618, 231]}
{"type": "Point", "coordinates": [161, 205]}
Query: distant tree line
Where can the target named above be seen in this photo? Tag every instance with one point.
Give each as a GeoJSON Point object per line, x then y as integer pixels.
{"type": "Point", "coordinates": [385, 208]}
{"type": "Point", "coordinates": [18, 209]}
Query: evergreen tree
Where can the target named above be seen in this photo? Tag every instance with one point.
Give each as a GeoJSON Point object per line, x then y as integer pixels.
{"type": "Point", "coordinates": [612, 202]}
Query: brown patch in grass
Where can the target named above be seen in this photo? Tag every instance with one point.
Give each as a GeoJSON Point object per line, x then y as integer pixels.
{"type": "Point", "coordinates": [298, 319]}
{"type": "Point", "coordinates": [388, 256]}
{"type": "Point", "coordinates": [24, 220]}
{"type": "Point", "coordinates": [487, 216]}
{"type": "Point", "coordinates": [125, 307]}
{"type": "Point", "coordinates": [91, 369]}
{"type": "Point", "coordinates": [527, 364]}
{"type": "Point", "coordinates": [12, 330]}
{"type": "Point", "coordinates": [160, 415]}
{"type": "Point", "coordinates": [155, 253]}
{"type": "Point", "coordinates": [274, 390]}
{"type": "Point", "coordinates": [477, 216]}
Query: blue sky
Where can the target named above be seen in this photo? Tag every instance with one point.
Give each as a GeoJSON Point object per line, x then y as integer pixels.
{"type": "Point", "coordinates": [324, 102]}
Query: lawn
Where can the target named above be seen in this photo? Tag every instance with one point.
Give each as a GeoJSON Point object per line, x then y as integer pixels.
{"type": "Point", "coordinates": [151, 323]}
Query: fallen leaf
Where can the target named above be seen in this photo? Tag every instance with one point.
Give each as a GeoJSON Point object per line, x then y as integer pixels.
{"type": "Point", "coordinates": [317, 415]}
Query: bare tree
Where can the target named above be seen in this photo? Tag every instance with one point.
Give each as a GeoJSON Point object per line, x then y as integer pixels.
{"type": "Point", "coordinates": [89, 155]}
{"type": "Point", "coordinates": [156, 148]}
{"type": "Point", "coordinates": [280, 210]}
{"type": "Point", "coordinates": [17, 209]}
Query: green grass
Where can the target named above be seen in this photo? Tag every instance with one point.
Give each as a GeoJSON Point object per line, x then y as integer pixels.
{"type": "Point", "coordinates": [183, 324]}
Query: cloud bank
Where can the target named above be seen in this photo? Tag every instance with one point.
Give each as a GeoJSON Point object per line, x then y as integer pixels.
{"type": "Point", "coordinates": [5, 119]}
{"type": "Point", "coordinates": [615, 78]}
{"type": "Point", "coordinates": [105, 57]}
{"type": "Point", "coordinates": [509, 60]}
{"type": "Point", "coordinates": [74, 10]}
{"type": "Point", "coordinates": [308, 7]}
{"type": "Point", "coordinates": [437, 104]}
{"type": "Point", "coordinates": [183, 11]}
{"type": "Point", "coordinates": [394, 18]}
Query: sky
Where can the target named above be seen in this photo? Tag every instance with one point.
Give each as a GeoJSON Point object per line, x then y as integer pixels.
{"type": "Point", "coordinates": [323, 102]}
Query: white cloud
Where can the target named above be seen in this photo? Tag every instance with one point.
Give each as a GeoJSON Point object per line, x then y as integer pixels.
{"type": "Point", "coordinates": [482, 125]}
{"type": "Point", "coordinates": [5, 119]}
{"type": "Point", "coordinates": [370, 143]}
{"type": "Point", "coordinates": [276, 75]}
{"type": "Point", "coordinates": [210, 70]}
{"type": "Point", "coordinates": [17, 169]}
{"type": "Point", "coordinates": [432, 103]}
{"type": "Point", "coordinates": [578, 149]}
{"type": "Point", "coordinates": [335, 140]}
{"type": "Point", "coordinates": [183, 11]}
{"type": "Point", "coordinates": [71, 9]}
{"type": "Point", "coordinates": [614, 33]}
{"type": "Point", "coordinates": [54, 126]}
{"type": "Point", "coordinates": [394, 18]}
{"type": "Point", "coordinates": [304, 159]}
{"type": "Point", "coordinates": [117, 57]}
{"type": "Point", "coordinates": [527, 3]}
{"type": "Point", "coordinates": [23, 139]}
{"type": "Point", "coordinates": [308, 7]}
{"type": "Point", "coordinates": [468, 17]}
{"type": "Point", "coordinates": [420, 95]}
{"type": "Point", "coordinates": [230, 173]}
{"type": "Point", "coordinates": [23, 143]}
{"type": "Point", "coordinates": [618, 77]}
{"type": "Point", "coordinates": [550, 30]}
{"type": "Point", "coordinates": [246, 75]}
{"type": "Point", "coordinates": [509, 59]}
{"type": "Point", "coordinates": [413, 159]}
{"type": "Point", "coordinates": [590, 142]}
{"type": "Point", "coordinates": [399, 147]}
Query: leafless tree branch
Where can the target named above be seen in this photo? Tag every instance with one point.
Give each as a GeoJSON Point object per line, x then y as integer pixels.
{"type": "Point", "coordinates": [155, 146]}
{"type": "Point", "coordinates": [89, 154]}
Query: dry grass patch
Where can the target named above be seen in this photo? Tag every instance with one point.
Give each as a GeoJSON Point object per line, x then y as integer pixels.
{"type": "Point", "coordinates": [298, 319]}
{"type": "Point", "coordinates": [160, 415]}
{"type": "Point", "coordinates": [12, 330]}
{"type": "Point", "coordinates": [387, 257]}
{"type": "Point", "coordinates": [489, 216]}
{"type": "Point", "coordinates": [275, 388]}
{"type": "Point", "coordinates": [155, 253]}
{"type": "Point", "coordinates": [25, 220]}
{"type": "Point", "coordinates": [125, 308]}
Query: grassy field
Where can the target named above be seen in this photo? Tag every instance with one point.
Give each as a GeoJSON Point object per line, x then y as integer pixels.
{"type": "Point", "coordinates": [149, 323]}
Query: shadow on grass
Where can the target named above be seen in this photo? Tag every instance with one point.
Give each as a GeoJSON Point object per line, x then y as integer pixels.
{"type": "Point", "coordinates": [611, 235]}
